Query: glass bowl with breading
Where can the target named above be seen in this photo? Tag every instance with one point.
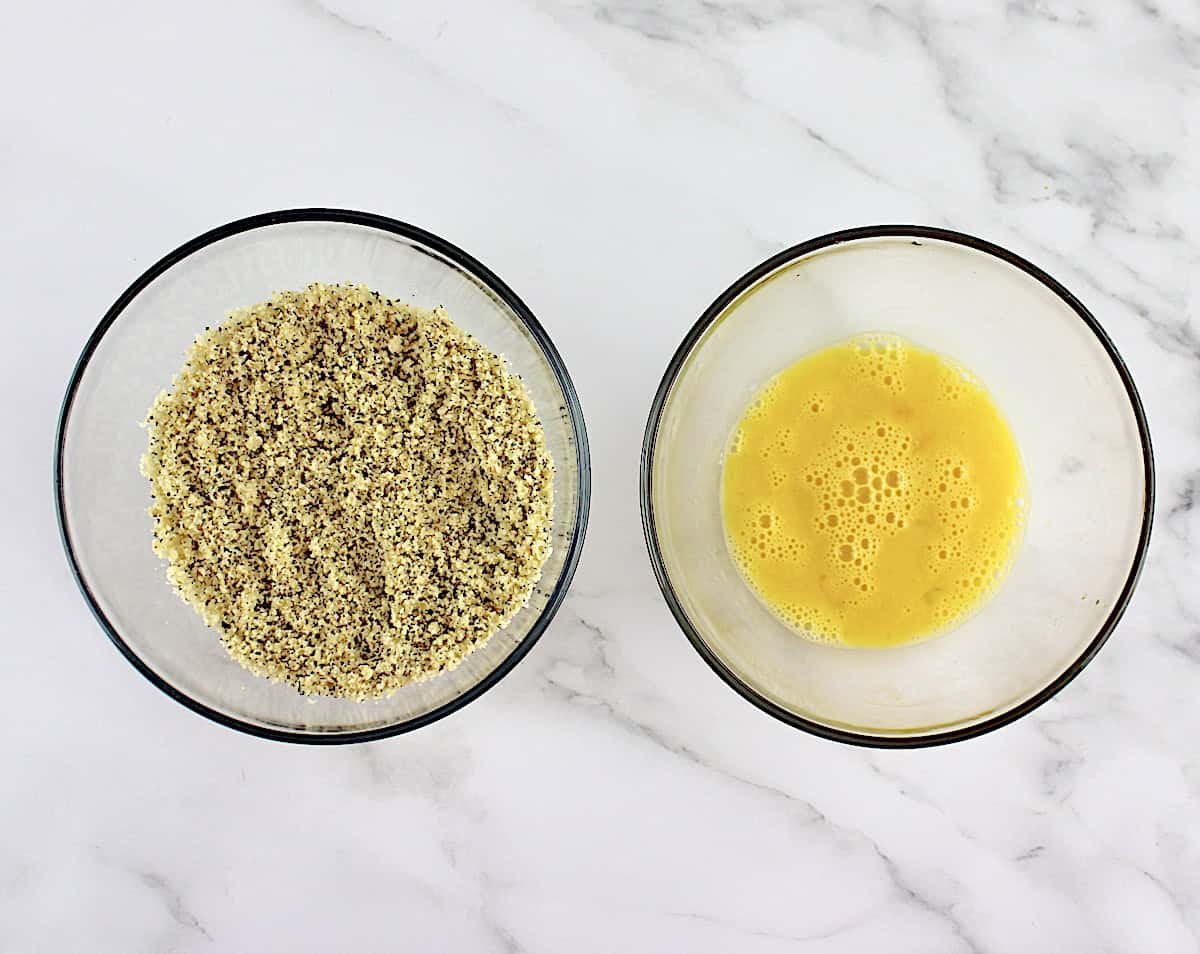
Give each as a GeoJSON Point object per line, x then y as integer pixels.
{"type": "Point", "coordinates": [103, 498]}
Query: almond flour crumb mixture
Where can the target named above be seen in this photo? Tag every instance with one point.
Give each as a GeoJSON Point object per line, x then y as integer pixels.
{"type": "Point", "coordinates": [354, 492]}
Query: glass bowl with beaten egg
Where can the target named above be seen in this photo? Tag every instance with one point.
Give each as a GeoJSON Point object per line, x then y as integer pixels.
{"type": "Point", "coordinates": [897, 486]}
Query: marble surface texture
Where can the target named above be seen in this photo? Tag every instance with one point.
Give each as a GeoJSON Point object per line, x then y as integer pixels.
{"type": "Point", "coordinates": [618, 162]}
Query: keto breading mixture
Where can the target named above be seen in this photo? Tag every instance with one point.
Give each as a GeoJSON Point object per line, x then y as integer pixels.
{"type": "Point", "coordinates": [354, 492]}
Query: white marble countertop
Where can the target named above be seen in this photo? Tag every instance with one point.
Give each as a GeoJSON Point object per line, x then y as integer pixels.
{"type": "Point", "coordinates": [618, 163]}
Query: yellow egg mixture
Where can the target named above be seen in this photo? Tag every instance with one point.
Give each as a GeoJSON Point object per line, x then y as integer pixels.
{"type": "Point", "coordinates": [873, 494]}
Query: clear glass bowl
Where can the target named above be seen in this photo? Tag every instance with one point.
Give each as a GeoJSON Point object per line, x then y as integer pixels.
{"type": "Point", "coordinates": [1078, 422]}
{"type": "Point", "coordinates": [133, 354]}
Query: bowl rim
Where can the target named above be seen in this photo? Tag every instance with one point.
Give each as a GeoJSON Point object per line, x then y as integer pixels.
{"type": "Point", "coordinates": [495, 286]}
{"type": "Point", "coordinates": [732, 679]}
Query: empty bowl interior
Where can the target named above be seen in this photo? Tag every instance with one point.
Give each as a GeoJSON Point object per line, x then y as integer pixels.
{"type": "Point", "coordinates": [104, 499]}
{"type": "Point", "coordinates": [1073, 413]}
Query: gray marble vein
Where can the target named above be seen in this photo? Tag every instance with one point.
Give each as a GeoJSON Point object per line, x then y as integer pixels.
{"type": "Point", "coordinates": [943, 912]}
{"type": "Point", "coordinates": [173, 901]}
{"type": "Point", "coordinates": [332, 15]}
